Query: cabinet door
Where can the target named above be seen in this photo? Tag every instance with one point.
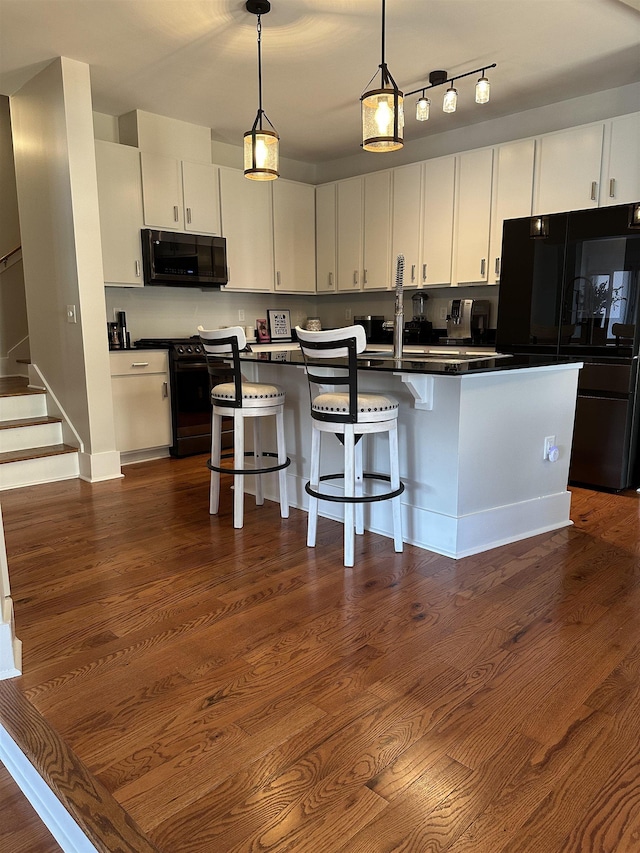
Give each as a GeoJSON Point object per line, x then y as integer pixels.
{"type": "Point", "coordinates": [512, 194]}
{"type": "Point", "coordinates": [162, 191]}
{"type": "Point", "coordinates": [247, 224]}
{"type": "Point", "coordinates": [141, 403]}
{"type": "Point", "coordinates": [201, 197]}
{"type": "Point", "coordinates": [473, 215]}
{"type": "Point", "coordinates": [437, 227]}
{"type": "Point", "coordinates": [377, 231]}
{"type": "Point", "coordinates": [294, 237]}
{"type": "Point", "coordinates": [621, 167]}
{"type": "Point", "coordinates": [326, 238]}
{"type": "Point", "coordinates": [120, 202]}
{"type": "Point", "coordinates": [406, 222]}
{"type": "Point", "coordinates": [568, 169]}
{"type": "Point", "coordinates": [350, 234]}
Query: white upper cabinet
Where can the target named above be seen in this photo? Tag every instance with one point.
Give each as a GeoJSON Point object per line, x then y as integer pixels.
{"type": "Point", "coordinates": [326, 222]}
{"type": "Point", "coordinates": [377, 231]}
{"type": "Point", "coordinates": [120, 202]}
{"type": "Point", "coordinates": [437, 221]}
{"type": "Point", "coordinates": [247, 225]}
{"type": "Point", "coordinates": [349, 205]}
{"type": "Point", "coordinates": [406, 220]}
{"type": "Point", "coordinates": [568, 169]}
{"type": "Point", "coordinates": [473, 216]}
{"type": "Point", "coordinates": [620, 180]}
{"type": "Point", "coordinates": [180, 195]}
{"type": "Point", "coordinates": [512, 194]}
{"type": "Point", "coordinates": [294, 237]}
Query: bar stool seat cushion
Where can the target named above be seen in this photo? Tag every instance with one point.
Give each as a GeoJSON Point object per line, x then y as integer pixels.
{"type": "Point", "coordinates": [371, 407]}
{"type": "Point", "coordinates": [254, 394]}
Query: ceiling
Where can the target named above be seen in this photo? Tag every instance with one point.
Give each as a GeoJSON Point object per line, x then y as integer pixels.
{"type": "Point", "coordinates": [196, 60]}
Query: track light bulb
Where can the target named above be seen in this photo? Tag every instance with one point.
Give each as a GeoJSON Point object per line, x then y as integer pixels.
{"type": "Point", "coordinates": [422, 108]}
{"type": "Point", "coordinates": [482, 91]}
{"type": "Point", "coordinates": [450, 101]}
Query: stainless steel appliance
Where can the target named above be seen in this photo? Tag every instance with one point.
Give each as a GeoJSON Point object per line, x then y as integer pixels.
{"type": "Point", "coordinates": [467, 320]}
{"type": "Point", "coordinates": [176, 259]}
{"type": "Point", "coordinates": [570, 284]}
{"type": "Point", "coordinates": [372, 325]}
{"type": "Point", "coordinates": [190, 394]}
{"type": "Point", "coordinates": [418, 330]}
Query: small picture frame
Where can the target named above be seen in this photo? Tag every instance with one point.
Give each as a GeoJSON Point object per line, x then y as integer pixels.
{"type": "Point", "coordinates": [279, 323]}
{"type": "Point", "coordinates": [262, 332]}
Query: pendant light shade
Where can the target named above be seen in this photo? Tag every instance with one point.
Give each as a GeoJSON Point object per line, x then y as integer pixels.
{"type": "Point", "coordinates": [383, 110]}
{"type": "Point", "coordinates": [482, 90]}
{"type": "Point", "coordinates": [261, 155]}
{"type": "Point", "coordinates": [450, 100]}
{"type": "Point", "coordinates": [422, 108]}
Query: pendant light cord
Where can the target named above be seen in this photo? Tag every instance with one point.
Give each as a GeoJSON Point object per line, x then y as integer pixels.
{"type": "Point", "coordinates": [260, 69]}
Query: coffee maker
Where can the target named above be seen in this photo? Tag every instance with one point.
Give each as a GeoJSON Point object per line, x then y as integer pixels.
{"type": "Point", "coordinates": [467, 321]}
{"type": "Point", "coordinates": [418, 330]}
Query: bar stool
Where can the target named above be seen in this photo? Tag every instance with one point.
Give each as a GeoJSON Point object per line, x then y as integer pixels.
{"type": "Point", "coordinates": [349, 415]}
{"type": "Point", "coordinates": [239, 400]}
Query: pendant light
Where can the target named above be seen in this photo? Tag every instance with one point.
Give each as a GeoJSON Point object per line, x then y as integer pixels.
{"type": "Point", "coordinates": [383, 109]}
{"type": "Point", "coordinates": [422, 107]}
{"type": "Point", "coordinates": [450, 101]}
{"type": "Point", "coordinates": [483, 90]}
{"type": "Point", "coordinates": [260, 145]}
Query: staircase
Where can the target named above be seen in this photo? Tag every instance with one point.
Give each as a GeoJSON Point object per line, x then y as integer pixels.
{"type": "Point", "coordinates": [31, 446]}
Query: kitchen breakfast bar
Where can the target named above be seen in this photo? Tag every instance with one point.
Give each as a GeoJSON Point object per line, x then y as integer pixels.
{"type": "Point", "coordinates": [473, 430]}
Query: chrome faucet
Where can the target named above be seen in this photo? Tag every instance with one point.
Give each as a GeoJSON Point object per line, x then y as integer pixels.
{"type": "Point", "coordinates": [398, 327]}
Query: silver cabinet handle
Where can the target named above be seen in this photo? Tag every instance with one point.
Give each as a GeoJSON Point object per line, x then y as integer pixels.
{"type": "Point", "coordinates": [175, 212]}
{"type": "Point", "coordinates": [364, 277]}
{"type": "Point", "coordinates": [140, 364]}
{"type": "Point", "coordinates": [165, 390]}
{"type": "Point", "coordinates": [355, 276]}
{"type": "Point", "coordinates": [424, 272]}
{"type": "Point", "coordinates": [189, 215]}
{"type": "Point", "coordinates": [413, 272]}
{"type": "Point", "coordinates": [594, 190]}
{"type": "Point", "coordinates": [138, 269]}
{"type": "Point", "coordinates": [330, 279]}
{"type": "Point", "coordinates": [278, 278]}
{"type": "Point", "coordinates": [497, 266]}
{"type": "Point", "coordinates": [483, 266]}
{"type": "Point", "coordinates": [612, 187]}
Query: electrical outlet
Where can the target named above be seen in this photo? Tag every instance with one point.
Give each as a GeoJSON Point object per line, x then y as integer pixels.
{"type": "Point", "coordinates": [241, 316]}
{"type": "Point", "coordinates": [71, 314]}
{"type": "Point", "coordinates": [549, 442]}
{"type": "Point", "coordinates": [347, 313]}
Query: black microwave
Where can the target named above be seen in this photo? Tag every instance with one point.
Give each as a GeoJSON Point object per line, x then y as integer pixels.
{"type": "Point", "coordinates": [175, 259]}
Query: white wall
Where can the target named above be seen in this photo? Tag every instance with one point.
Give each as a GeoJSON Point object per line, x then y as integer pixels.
{"type": "Point", "coordinates": [58, 207]}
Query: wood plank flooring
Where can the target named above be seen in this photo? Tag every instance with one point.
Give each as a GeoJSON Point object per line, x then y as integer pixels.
{"type": "Point", "coordinates": [237, 692]}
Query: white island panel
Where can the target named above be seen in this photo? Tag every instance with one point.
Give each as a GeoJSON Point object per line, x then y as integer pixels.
{"type": "Point", "coordinates": [472, 464]}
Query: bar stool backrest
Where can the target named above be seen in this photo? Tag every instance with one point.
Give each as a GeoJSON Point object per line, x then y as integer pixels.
{"type": "Point", "coordinates": [333, 344]}
{"type": "Point", "coordinates": [224, 344]}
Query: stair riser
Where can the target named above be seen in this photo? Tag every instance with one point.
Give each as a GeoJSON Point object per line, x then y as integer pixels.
{"type": "Point", "coordinates": [23, 406]}
{"type": "Point", "coordinates": [46, 469]}
{"type": "Point", "coordinates": [22, 438]}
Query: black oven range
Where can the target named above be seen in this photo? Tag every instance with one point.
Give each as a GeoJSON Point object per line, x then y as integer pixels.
{"type": "Point", "coordinates": [190, 394]}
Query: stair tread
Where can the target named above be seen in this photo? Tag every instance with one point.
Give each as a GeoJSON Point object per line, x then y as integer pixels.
{"type": "Point", "coordinates": [36, 453]}
{"type": "Point", "coordinates": [17, 386]}
{"type": "Point", "coordinates": [25, 422]}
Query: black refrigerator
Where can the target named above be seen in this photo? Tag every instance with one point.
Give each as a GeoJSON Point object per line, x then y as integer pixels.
{"type": "Point", "coordinates": [570, 285]}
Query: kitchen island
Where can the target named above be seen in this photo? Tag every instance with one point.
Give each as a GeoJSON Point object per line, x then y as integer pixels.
{"type": "Point", "coordinates": [472, 430]}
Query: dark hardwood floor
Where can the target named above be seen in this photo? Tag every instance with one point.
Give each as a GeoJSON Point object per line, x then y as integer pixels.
{"type": "Point", "coordinates": [237, 692]}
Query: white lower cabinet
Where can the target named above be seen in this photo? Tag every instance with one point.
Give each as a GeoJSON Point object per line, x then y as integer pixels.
{"type": "Point", "coordinates": [141, 400]}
